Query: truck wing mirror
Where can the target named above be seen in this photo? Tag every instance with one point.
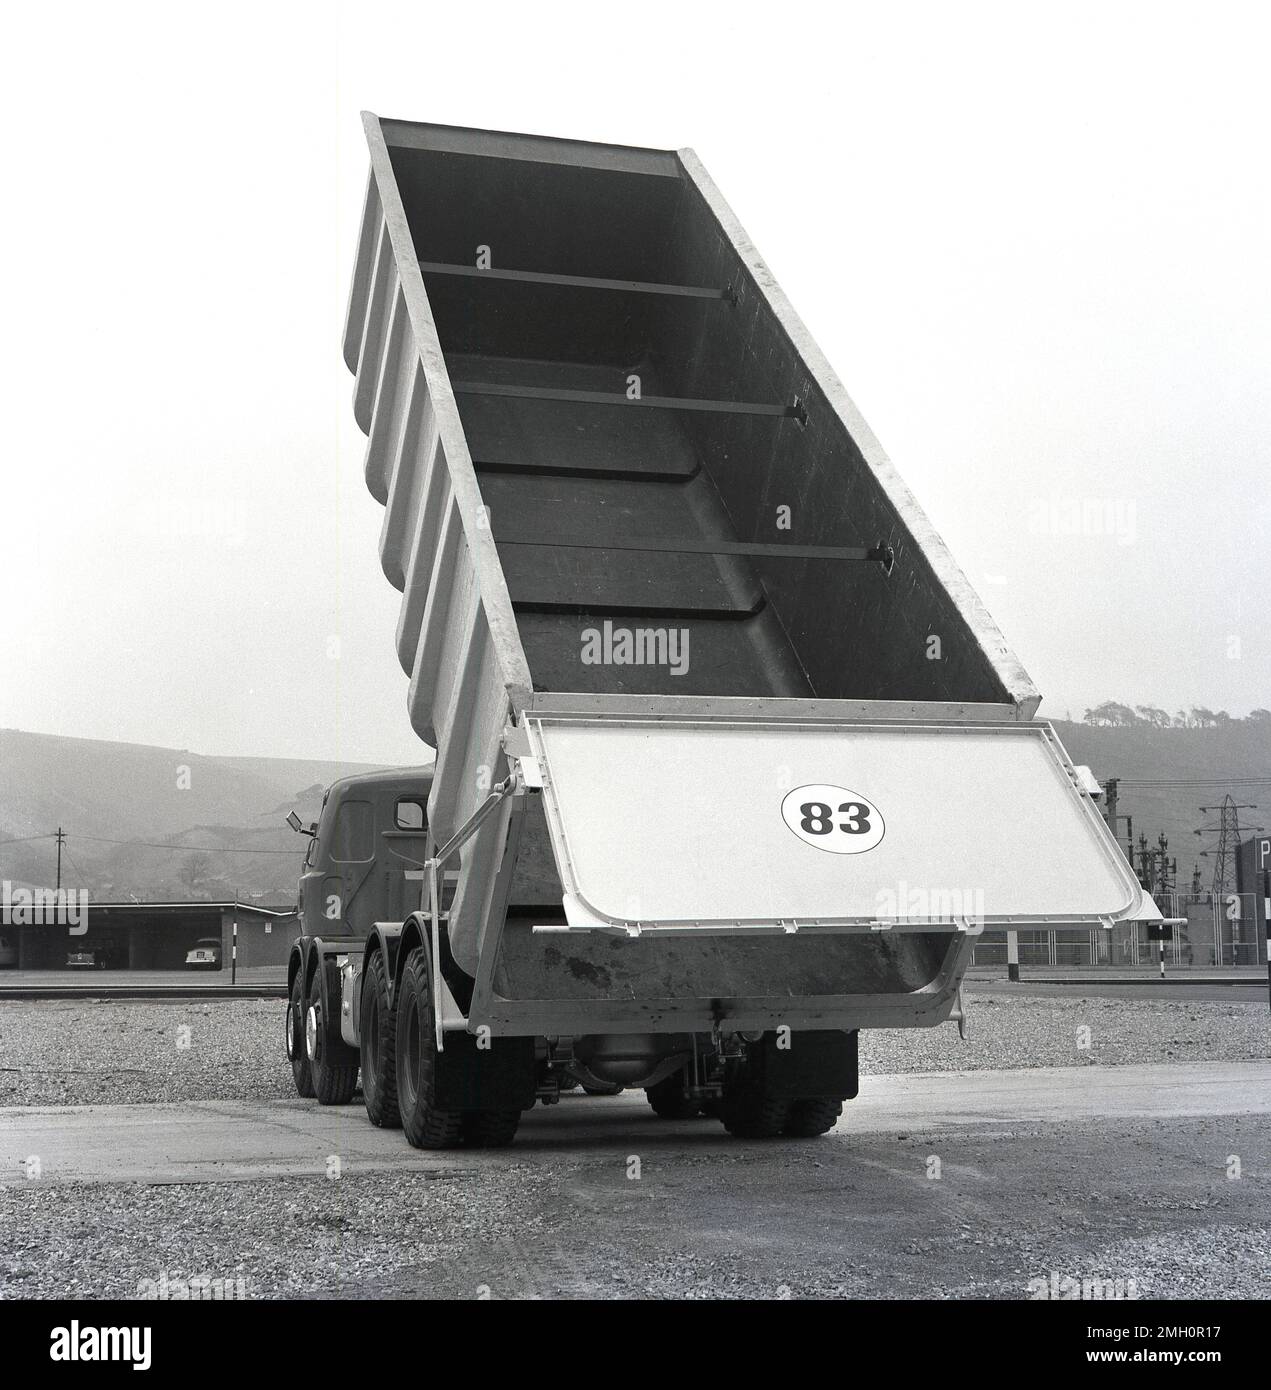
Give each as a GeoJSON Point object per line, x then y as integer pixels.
{"type": "Point", "coordinates": [298, 826]}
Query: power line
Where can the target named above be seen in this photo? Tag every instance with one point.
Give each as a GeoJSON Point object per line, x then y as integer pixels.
{"type": "Point", "coordinates": [1195, 781]}
{"type": "Point", "coordinates": [210, 849]}
{"type": "Point", "coordinates": [153, 844]}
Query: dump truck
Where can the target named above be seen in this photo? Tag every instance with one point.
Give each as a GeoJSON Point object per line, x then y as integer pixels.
{"type": "Point", "coordinates": [731, 762]}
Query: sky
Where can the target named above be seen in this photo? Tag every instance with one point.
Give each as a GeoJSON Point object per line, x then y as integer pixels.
{"type": "Point", "coordinates": [1032, 240]}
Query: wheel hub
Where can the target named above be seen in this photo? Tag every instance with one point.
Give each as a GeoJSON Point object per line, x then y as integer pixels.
{"type": "Point", "coordinates": [311, 1033]}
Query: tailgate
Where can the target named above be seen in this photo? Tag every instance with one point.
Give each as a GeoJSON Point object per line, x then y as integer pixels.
{"type": "Point", "coordinates": [709, 825]}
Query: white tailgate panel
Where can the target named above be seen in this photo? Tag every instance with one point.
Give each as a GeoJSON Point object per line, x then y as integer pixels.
{"type": "Point", "coordinates": [676, 821]}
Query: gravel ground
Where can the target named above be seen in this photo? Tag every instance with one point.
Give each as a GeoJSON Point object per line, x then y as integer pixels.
{"type": "Point", "coordinates": [1147, 1201]}
{"type": "Point", "coordinates": [95, 1052]}
{"type": "Point", "coordinates": [134, 1052]}
{"type": "Point", "coordinates": [852, 1215]}
{"type": "Point", "coordinates": [1014, 1030]}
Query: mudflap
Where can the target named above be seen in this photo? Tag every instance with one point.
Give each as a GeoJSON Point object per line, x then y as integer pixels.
{"type": "Point", "coordinates": [499, 1075]}
{"type": "Point", "coordinates": [810, 1064]}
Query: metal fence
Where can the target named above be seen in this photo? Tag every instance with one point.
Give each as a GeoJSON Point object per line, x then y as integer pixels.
{"type": "Point", "coordinates": [1215, 934]}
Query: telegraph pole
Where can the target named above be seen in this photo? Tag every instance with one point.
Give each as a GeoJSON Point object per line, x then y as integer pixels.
{"type": "Point", "coordinates": [1266, 922]}
{"type": "Point", "coordinates": [61, 835]}
{"type": "Point", "coordinates": [1113, 820]}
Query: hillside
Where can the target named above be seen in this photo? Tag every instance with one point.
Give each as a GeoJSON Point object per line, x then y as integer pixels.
{"type": "Point", "coordinates": [178, 801]}
{"type": "Point", "coordinates": [183, 813]}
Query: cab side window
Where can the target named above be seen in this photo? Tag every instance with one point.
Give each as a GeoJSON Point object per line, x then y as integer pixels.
{"type": "Point", "coordinates": [410, 814]}
{"type": "Point", "coordinates": [353, 839]}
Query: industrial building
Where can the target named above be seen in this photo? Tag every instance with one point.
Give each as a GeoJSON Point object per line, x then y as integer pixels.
{"type": "Point", "coordinates": [141, 936]}
{"type": "Point", "coordinates": [1253, 884]}
{"type": "Point", "coordinates": [1231, 931]}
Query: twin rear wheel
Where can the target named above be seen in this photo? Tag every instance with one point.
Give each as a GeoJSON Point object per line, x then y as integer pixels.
{"type": "Point", "coordinates": [760, 1117]}
{"type": "Point", "coordinates": [426, 1124]}
{"type": "Point", "coordinates": [399, 1062]}
{"type": "Point", "coordinates": [669, 1101]}
{"type": "Point", "coordinates": [747, 1110]}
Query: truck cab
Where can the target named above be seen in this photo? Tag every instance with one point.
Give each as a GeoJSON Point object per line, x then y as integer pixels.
{"type": "Point", "coordinates": [366, 853]}
{"type": "Point", "coordinates": [363, 866]}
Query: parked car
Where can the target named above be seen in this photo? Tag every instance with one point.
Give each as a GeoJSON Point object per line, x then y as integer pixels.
{"type": "Point", "coordinates": [206, 954]}
{"type": "Point", "coordinates": [85, 958]}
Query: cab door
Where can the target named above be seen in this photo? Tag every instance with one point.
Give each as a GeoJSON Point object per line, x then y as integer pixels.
{"type": "Point", "coordinates": [343, 858]}
{"type": "Point", "coordinates": [403, 850]}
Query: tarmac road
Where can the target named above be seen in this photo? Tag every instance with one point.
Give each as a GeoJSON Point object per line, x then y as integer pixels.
{"type": "Point", "coordinates": [933, 1185]}
{"type": "Point", "coordinates": [229, 1140]}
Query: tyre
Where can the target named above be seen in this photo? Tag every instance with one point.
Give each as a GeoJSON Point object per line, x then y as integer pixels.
{"type": "Point", "coordinates": [811, 1117]}
{"type": "Point", "coordinates": [425, 1125]}
{"type": "Point", "coordinates": [490, 1129]}
{"type": "Point", "coordinates": [754, 1116]}
{"type": "Point", "coordinates": [379, 1047]}
{"type": "Point", "coordinates": [296, 1054]}
{"type": "Point", "coordinates": [333, 1081]}
{"type": "Point", "coordinates": [669, 1101]}
{"type": "Point", "coordinates": [749, 1111]}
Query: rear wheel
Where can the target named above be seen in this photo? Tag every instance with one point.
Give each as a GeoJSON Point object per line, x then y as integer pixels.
{"type": "Point", "coordinates": [296, 1054]}
{"type": "Point", "coordinates": [379, 1047]}
{"type": "Point", "coordinates": [749, 1110]}
{"type": "Point", "coordinates": [333, 1081]}
{"type": "Point", "coordinates": [811, 1117]}
{"type": "Point", "coordinates": [425, 1125]}
{"type": "Point", "coordinates": [490, 1129]}
{"type": "Point", "coordinates": [669, 1101]}
{"type": "Point", "coordinates": [754, 1116]}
